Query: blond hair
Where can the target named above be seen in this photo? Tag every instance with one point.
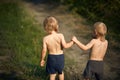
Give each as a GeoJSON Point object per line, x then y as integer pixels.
{"type": "Point", "coordinates": [50, 24]}
{"type": "Point", "coordinates": [100, 30]}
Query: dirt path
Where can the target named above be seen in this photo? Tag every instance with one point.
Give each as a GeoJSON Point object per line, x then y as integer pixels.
{"type": "Point", "coordinates": [75, 59]}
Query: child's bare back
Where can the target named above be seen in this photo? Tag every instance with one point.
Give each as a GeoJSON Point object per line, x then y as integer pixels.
{"type": "Point", "coordinates": [53, 43]}
{"type": "Point", "coordinates": [98, 50]}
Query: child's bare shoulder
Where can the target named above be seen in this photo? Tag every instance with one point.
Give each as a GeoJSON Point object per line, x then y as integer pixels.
{"type": "Point", "coordinates": [106, 41]}
{"type": "Point", "coordinates": [45, 38]}
{"type": "Point", "coordinates": [60, 34]}
{"type": "Point", "coordinates": [93, 40]}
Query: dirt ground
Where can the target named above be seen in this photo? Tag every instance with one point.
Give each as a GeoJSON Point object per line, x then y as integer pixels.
{"type": "Point", "coordinates": [75, 58]}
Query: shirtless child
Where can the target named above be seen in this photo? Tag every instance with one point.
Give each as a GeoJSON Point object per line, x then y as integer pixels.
{"type": "Point", "coordinates": [54, 43]}
{"type": "Point", "coordinates": [98, 48]}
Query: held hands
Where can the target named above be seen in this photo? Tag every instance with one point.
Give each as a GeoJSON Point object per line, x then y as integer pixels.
{"type": "Point", "coordinates": [74, 39]}
{"type": "Point", "coordinates": [42, 63]}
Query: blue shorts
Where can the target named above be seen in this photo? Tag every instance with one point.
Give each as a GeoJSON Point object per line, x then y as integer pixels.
{"type": "Point", "coordinates": [94, 68]}
{"type": "Point", "coordinates": [55, 64]}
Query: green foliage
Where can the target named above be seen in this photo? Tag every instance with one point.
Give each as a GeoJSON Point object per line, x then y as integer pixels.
{"type": "Point", "coordinates": [106, 11]}
{"type": "Point", "coordinates": [21, 40]}
{"type": "Point", "coordinates": [102, 10]}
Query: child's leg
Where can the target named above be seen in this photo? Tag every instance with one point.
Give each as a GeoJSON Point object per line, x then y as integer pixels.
{"type": "Point", "coordinates": [99, 76]}
{"type": "Point", "coordinates": [52, 76]}
{"type": "Point", "coordinates": [61, 76]}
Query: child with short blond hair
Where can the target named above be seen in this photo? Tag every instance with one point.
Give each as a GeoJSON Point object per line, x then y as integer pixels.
{"type": "Point", "coordinates": [98, 47]}
{"type": "Point", "coordinates": [54, 43]}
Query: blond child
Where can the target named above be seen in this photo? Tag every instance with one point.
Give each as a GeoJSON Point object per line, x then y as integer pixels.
{"type": "Point", "coordinates": [54, 43]}
{"type": "Point", "coordinates": [98, 47]}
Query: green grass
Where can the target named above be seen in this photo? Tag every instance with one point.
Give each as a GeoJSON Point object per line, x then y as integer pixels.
{"type": "Point", "coordinates": [21, 40]}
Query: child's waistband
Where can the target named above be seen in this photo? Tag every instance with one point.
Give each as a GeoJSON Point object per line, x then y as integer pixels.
{"type": "Point", "coordinates": [56, 54]}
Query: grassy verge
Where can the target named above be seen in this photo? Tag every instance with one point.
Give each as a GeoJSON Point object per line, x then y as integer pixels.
{"type": "Point", "coordinates": [20, 44]}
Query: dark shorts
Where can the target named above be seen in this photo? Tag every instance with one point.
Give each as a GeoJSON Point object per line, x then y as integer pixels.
{"type": "Point", "coordinates": [55, 64]}
{"type": "Point", "coordinates": [94, 68]}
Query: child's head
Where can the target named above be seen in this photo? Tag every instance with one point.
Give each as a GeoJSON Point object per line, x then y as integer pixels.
{"type": "Point", "coordinates": [100, 30]}
{"type": "Point", "coordinates": [50, 24]}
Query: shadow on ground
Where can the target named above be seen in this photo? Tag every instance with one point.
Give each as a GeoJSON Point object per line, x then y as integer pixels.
{"type": "Point", "coordinates": [10, 76]}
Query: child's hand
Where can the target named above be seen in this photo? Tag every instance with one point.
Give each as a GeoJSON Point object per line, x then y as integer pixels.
{"type": "Point", "coordinates": [42, 63]}
{"type": "Point", "coordinates": [74, 39]}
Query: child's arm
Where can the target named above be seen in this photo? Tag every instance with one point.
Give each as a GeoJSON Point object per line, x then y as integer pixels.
{"type": "Point", "coordinates": [64, 44]}
{"type": "Point", "coordinates": [43, 54]}
{"type": "Point", "coordinates": [82, 46]}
